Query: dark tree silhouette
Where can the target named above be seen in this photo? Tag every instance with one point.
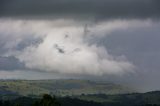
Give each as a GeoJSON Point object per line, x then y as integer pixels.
{"type": "Point", "coordinates": [47, 100]}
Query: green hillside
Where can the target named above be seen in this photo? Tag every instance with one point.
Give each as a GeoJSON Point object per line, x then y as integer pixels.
{"type": "Point", "coordinates": [60, 87]}
{"type": "Point", "coordinates": [134, 99]}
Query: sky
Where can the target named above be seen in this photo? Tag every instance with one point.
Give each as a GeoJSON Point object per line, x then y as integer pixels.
{"type": "Point", "coordinates": [109, 40]}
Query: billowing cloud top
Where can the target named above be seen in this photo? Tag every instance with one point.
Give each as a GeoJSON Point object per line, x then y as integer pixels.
{"type": "Point", "coordinates": [46, 46]}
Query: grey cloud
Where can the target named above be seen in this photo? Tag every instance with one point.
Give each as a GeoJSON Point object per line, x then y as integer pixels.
{"type": "Point", "coordinates": [11, 40]}
{"type": "Point", "coordinates": [98, 9]}
{"type": "Point", "coordinates": [141, 46]}
{"type": "Point", "coordinates": [59, 49]}
{"type": "Point", "coordinates": [29, 41]}
{"type": "Point", "coordinates": [10, 63]}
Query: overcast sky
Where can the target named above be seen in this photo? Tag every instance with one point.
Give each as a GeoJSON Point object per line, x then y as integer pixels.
{"type": "Point", "coordinates": [112, 40]}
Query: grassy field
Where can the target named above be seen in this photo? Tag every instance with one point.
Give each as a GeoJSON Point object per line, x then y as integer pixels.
{"type": "Point", "coordinates": [60, 87]}
{"type": "Point", "coordinates": [134, 98]}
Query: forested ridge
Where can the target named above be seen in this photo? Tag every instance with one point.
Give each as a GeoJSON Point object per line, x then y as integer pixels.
{"type": "Point", "coordinates": [135, 99]}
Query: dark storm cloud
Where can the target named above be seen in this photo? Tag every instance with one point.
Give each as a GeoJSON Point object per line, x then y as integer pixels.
{"type": "Point", "coordinates": [99, 9]}
{"type": "Point", "coordinates": [10, 63]}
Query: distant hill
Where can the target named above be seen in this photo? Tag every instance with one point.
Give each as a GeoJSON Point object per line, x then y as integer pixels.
{"type": "Point", "coordinates": [133, 99]}
{"type": "Point", "coordinates": [61, 87]}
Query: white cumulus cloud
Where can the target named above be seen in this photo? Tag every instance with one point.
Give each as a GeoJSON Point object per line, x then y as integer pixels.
{"type": "Point", "coordinates": [64, 47]}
